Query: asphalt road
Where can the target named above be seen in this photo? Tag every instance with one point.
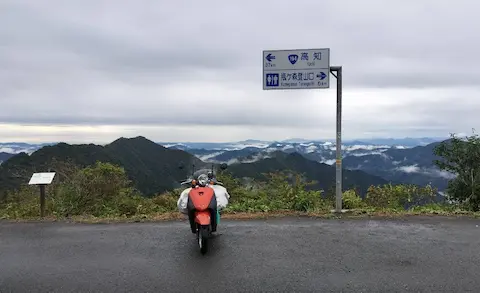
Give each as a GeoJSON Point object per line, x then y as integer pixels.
{"type": "Point", "coordinates": [278, 255]}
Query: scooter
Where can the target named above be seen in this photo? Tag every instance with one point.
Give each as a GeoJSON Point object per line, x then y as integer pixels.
{"type": "Point", "coordinates": [202, 207]}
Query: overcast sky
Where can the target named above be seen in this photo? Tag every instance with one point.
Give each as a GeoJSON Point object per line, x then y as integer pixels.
{"type": "Point", "coordinates": [92, 71]}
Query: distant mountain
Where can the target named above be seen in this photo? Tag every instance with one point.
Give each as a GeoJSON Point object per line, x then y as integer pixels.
{"type": "Point", "coordinates": [406, 142]}
{"type": "Point", "coordinates": [216, 146]}
{"type": "Point", "coordinates": [298, 140]}
{"type": "Point", "coordinates": [19, 147]}
{"type": "Point", "coordinates": [5, 156]}
{"type": "Point", "coordinates": [261, 144]}
{"type": "Point", "coordinates": [414, 165]}
{"type": "Point", "coordinates": [324, 174]}
{"type": "Point", "coordinates": [152, 168]}
{"type": "Point", "coordinates": [407, 160]}
{"type": "Point", "coordinates": [323, 152]}
{"type": "Point", "coordinates": [379, 157]}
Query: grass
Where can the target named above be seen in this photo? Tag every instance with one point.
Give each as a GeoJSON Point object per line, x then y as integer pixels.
{"type": "Point", "coordinates": [177, 216]}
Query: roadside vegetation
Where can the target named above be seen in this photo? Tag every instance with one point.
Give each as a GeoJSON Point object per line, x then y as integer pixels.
{"type": "Point", "coordinates": [103, 191]}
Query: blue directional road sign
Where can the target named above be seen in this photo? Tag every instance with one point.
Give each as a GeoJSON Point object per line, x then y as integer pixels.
{"type": "Point", "coordinates": [296, 69]}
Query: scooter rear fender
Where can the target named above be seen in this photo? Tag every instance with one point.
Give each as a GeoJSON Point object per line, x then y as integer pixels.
{"type": "Point", "coordinates": [203, 217]}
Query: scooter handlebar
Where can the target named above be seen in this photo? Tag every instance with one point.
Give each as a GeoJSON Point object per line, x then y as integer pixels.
{"type": "Point", "coordinates": [186, 182]}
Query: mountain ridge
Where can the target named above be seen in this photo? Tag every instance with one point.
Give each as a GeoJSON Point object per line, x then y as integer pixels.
{"type": "Point", "coordinates": [410, 165]}
{"type": "Point", "coordinates": [322, 173]}
{"type": "Point", "coordinates": [5, 156]}
{"type": "Point", "coordinates": [134, 154]}
{"type": "Point", "coordinates": [153, 168]}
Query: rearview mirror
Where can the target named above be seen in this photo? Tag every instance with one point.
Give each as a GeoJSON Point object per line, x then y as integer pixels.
{"type": "Point", "coordinates": [223, 166]}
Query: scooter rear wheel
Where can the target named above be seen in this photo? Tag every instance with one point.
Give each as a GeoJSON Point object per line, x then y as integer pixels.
{"type": "Point", "coordinates": [202, 236]}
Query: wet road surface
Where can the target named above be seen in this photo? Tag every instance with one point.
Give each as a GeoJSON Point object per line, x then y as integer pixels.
{"type": "Point", "coordinates": [277, 255]}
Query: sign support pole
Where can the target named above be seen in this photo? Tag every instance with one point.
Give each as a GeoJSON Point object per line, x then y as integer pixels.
{"type": "Point", "coordinates": [42, 200]}
{"type": "Point", "coordinates": [338, 189]}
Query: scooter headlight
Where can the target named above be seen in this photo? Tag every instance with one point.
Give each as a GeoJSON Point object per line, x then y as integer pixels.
{"type": "Point", "coordinates": [202, 180]}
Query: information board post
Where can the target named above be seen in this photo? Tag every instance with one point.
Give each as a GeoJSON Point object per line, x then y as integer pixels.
{"type": "Point", "coordinates": [42, 200]}
{"type": "Point", "coordinates": [42, 180]}
{"type": "Point", "coordinates": [307, 69]}
{"type": "Point", "coordinates": [338, 185]}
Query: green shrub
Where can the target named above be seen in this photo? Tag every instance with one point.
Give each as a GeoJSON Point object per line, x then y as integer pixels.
{"type": "Point", "coordinates": [24, 203]}
{"type": "Point", "coordinates": [351, 200]}
{"type": "Point", "coordinates": [279, 192]}
{"type": "Point", "coordinates": [461, 157]}
{"type": "Point", "coordinates": [399, 197]}
{"type": "Point", "coordinates": [103, 190]}
{"type": "Point", "coordinates": [166, 202]}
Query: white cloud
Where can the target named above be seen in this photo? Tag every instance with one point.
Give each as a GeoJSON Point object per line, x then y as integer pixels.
{"type": "Point", "coordinates": [409, 169]}
{"type": "Point", "coordinates": [205, 158]}
{"type": "Point", "coordinates": [428, 171]}
{"type": "Point", "coordinates": [82, 71]}
{"type": "Point", "coordinates": [329, 162]}
{"type": "Point", "coordinates": [7, 150]}
{"type": "Point", "coordinates": [311, 149]}
{"type": "Point", "coordinates": [444, 174]}
{"type": "Point", "coordinates": [252, 159]}
{"type": "Point", "coordinates": [367, 154]}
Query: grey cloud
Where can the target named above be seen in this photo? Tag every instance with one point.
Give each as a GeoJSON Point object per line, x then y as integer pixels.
{"type": "Point", "coordinates": [193, 112]}
{"type": "Point", "coordinates": [444, 79]}
{"type": "Point", "coordinates": [105, 52]}
{"type": "Point", "coordinates": [417, 115]}
{"type": "Point", "coordinates": [83, 62]}
{"type": "Point", "coordinates": [222, 38]}
{"type": "Point", "coordinates": [110, 54]}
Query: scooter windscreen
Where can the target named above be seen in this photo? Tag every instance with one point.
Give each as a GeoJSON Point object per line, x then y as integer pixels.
{"type": "Point", "coordinates": [200, 172]}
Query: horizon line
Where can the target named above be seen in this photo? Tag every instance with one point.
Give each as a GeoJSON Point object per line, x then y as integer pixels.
{"type": "Point", "coordinates": [237, 141]}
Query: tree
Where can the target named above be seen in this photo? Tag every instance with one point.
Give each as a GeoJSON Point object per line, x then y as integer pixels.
{"type": "Point", "coordinates": [461, 156]}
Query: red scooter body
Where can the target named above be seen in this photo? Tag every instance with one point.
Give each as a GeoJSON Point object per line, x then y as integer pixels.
{"type": "Point", "coordinates": [201, 198]}
{"type": "Point", "coordinates": [201, 208]}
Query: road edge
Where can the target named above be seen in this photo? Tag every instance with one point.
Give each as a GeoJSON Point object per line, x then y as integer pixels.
{"type": "Point", "coordinates": [176, 216]}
